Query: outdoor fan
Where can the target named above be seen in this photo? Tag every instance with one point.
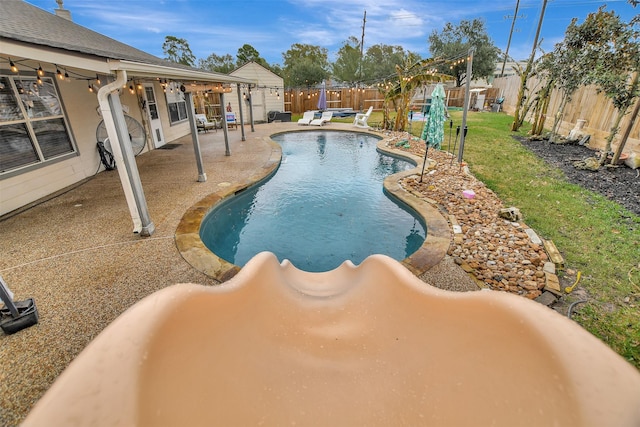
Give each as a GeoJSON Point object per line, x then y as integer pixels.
{"type": "Point", "coordinates": [137, 135]}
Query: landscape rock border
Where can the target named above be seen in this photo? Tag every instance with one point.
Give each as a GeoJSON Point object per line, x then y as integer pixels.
{"type": "Point", "coordinates": [499, 254]}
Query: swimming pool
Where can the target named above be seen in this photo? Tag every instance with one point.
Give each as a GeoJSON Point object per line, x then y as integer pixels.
{"type": "Point", "coordinates": [324, 205]}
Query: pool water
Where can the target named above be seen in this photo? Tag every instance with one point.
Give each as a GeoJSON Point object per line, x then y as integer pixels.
{"type": "Point", "coordinates": [324, 205]}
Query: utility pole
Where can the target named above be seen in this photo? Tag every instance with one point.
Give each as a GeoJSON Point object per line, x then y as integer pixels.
{"type": "Point", "coordinates": [364, 22]}
{"type": "Point", "coordinates": [517, 120]}
{"type": "Point", "coordinates": [513, 23]}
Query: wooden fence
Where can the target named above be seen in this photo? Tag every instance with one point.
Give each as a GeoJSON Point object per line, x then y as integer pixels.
{"type": "Point", "coordinates": [586, 104]}
{"type": "Point", "coordinates": [297, 101]}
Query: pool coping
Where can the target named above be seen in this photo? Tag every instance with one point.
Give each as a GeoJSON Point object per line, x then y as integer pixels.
{"type": "Point", "coordinates": [432, 251]}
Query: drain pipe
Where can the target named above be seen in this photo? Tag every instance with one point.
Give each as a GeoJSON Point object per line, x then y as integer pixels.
{"type": "Point", "coordinates": [113, 117]}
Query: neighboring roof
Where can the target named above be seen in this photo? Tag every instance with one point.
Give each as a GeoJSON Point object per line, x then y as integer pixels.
{"type": "Point", "coordinates": [253, 64]}
{"type": "Point", "coordinates": [23, 22]}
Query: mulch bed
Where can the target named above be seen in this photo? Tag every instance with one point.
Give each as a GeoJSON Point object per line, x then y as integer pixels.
{"type": "Point", "coordinates": [620, 184]}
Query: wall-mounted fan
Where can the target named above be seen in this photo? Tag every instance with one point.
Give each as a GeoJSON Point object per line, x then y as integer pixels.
{"type": "Point", "coordinates": [137, 135]}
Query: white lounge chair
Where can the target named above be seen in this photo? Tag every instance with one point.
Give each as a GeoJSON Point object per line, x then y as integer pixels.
{"type": "Point", "coordinates": [325, 118]}
{"type": "Point", "coordinates": [306, 118]}
{"type": "Point", "coordinates": [361, 118]}
{"type": "Point", "coordinates": [202, 123]}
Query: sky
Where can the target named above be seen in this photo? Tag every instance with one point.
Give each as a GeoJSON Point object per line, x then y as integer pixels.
{"type": "Point", "coordinates": [272, 26]}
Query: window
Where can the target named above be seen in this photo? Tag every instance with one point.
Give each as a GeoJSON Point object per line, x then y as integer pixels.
{"type": "Point", "coordinates": [33, 129]}
{"type": "Point", "coordinates": [176, 103]}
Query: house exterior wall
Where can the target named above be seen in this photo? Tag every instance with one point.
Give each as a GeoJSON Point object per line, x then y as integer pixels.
{"type": "Point", "coordinates": [81, 112]}
{"type": "Point", "coordinates": [264, 98]}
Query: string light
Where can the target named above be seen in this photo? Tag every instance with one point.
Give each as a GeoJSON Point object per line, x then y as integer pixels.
{"type": "Point", "coordinates": [90, 88]}
{"type": "Point", "coordinates": [13, 66]}
{"type": "Point", "coordinates": [40, 70]}
{"type": "Point", "coordinates": [39, 80]}
{"type": "Point", "coordinates": [59, 73]}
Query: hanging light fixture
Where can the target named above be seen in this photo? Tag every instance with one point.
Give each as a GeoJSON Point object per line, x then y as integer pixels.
{"type": "Point", "coordinates": [59, 73]}
{"type": "Point", "coordinates": [13, 66]}
{"type": "Point", "coordinates": [40, 70]}
{"type": "Point", "coordinates": [39, 80]}
{"type": "Point", "coordinates": [131, 91]}
{"type": "Point", "coordinates": [90, 87]}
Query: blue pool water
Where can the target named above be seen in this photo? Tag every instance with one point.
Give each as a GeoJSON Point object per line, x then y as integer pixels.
{"type": "Point", "coordinates": [324, 205]}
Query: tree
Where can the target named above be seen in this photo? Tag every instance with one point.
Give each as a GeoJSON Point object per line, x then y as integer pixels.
{"type": "Point", "coordinates": [305, 72]}
{"type": "Point", "coordinates": [346, 68]}
{"type": "Point", "coordinates": [454, 42]}
{"type": "Point", "coordinates": [177, 50]}
{"type": "Point", "coordinates": [220, 64]}
{"type": "Point", "coordinates": [565, 69]}
{"type": "Point", "coordinates": [410, 75]}
{"type": "Point", "coordinates": [305, 64]}
{"type": "Point", "coordinates": [381, 60]}
{"type": "Point", "coordinates": [611, 54]}
{"type": "Point", "coordinates": [248, 53]}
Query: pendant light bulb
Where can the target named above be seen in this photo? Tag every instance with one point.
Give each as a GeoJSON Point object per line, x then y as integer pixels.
{"type": "Point", "coordinates": [13, 66]}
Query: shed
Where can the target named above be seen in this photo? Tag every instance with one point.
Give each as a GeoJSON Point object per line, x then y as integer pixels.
{"type": "Point", "coordinates": [266, 95]}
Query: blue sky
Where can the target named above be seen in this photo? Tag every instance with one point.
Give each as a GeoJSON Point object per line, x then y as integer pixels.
{"type": "Point", "coordinates": [272, 26]}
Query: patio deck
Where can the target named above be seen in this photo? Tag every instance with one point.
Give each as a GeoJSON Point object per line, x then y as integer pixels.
{"type": "Point", "coordinates": [76, 255]}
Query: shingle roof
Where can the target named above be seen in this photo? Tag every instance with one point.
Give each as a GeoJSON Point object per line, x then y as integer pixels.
{"type": "Point", "coordinates": [24, 22]}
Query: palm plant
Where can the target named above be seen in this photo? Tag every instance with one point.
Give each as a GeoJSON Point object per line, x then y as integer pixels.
{"type": "Point", "coordinates": [410, 75]}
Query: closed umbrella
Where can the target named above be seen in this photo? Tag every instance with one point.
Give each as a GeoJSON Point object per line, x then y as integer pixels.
{"type": "Point", "coordinates": [433, 131]}
{"type": "Point", "coordinates": [322, 99]}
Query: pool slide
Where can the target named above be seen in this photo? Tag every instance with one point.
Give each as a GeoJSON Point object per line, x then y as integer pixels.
{"type": "Point", "coordinates": [367, 345]}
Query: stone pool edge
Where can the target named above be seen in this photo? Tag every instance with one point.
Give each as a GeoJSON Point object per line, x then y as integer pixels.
{"type": "Point", "coordinates": [195, 253]}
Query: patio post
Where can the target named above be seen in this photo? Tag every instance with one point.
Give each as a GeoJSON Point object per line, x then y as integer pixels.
{"type": "Point", "coordinates": [191, 113]}
{"type": "Point", "coordinates": [128, 159]}
{"type": "Point", "coordinates": [251, 109]}
{"type": "Point", "coordinates": [225, 129]}
{"type": "Point", "coordinates": [241, 110]}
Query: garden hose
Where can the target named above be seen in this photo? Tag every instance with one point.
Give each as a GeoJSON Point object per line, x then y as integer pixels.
{"type": "Point", "coordinates": [568, 289]}
{"type": "Point", "coordinates": [573, 304]}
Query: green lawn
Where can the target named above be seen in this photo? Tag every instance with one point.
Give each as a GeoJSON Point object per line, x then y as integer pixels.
{"type": "Point", "coordinates": [597, 237]}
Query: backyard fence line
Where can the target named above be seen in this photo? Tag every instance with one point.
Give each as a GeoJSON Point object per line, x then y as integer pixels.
{"type": "Point", "coordinates": [586, 104]}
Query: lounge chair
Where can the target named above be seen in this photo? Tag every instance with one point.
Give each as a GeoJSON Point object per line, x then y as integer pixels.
{"type": "Point", "coordinates": [306, 118]}
{"type": "Point", "coordinates": [202, 123]}
{"type": "Point", "coordinates": [361, 119]}
{"type": "Point", "coordinates": [325, 118]}
{"type": "Point", "coordinates": [230, 117]}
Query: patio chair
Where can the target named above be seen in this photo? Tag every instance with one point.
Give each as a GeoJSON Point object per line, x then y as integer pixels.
{"type": "Point", "coordinates": [325, 118]}
{"type": "Point", "coordinates": [230, 117]}
{"type": "Point", "coordinates": [306, 118]}
{"type": "Point", "coordinates": [361, 119]}
{"type": "Point", "coordinates": [202, 123]}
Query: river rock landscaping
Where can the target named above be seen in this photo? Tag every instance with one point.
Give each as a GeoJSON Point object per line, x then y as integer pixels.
{"type": "Point", "coordinates": [500, 253]}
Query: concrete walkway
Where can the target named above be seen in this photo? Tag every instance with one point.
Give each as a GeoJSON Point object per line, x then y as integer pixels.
{"type": "Point", "coordinates": [77, 256]}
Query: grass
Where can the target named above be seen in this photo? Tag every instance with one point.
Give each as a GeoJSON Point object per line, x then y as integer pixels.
{"type": "Point", "coordinates": [596, 236]}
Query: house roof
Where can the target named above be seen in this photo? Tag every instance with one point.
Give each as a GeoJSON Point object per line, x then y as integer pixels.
{"type": "Point", "coordinates": [25, 23]}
